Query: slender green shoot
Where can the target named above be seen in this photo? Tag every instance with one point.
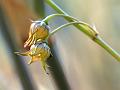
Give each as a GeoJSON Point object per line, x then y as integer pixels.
{"type": "Point", "coordinates": [60, 15]}
{"type": "Point", "coordinates": [84, 28]}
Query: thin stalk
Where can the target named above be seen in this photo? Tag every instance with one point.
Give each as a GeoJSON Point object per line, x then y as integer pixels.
{"type": "Point", "coordinates": [61, 15]}
{"type": "Point", "coordinates": [60, 11]}
{"type": "Point", "coordinates": [55, 7]}
{"type": "Point", "coordinates": [61, 27]}
{"type": "Point", "coordinates": [108, 48]}
{"type": "Point", "coordinates": [82, 25]}
{"type": "Point", "coordinates": [97, 39]}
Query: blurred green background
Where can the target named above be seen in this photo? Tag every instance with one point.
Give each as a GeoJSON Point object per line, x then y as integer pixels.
{"type": "Point", "coordinates": [82, 64]}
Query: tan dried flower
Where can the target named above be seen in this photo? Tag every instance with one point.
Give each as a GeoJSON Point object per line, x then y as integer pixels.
{"type": "Point", "coordinates": [39, 31]}
{"type": "Point", "coordinates": [38, 52]}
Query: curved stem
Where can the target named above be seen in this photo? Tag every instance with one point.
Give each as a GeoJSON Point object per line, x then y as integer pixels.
{"type": "Point", "coordinates": [60, 11]}
{"type": "Point", "coordinates": [61, 15]}
{"type": "Point", "coordinates": [89, 31]}
{"type": "Point", "coordinates": [62, 26]}
{"type": "Point", "coordinates": [97, 39]}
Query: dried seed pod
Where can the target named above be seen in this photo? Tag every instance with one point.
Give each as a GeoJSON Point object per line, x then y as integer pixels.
{"type": "Point", "coordinates": [39, 31]}
{"type": "Point", "coordinates": [38, 52]}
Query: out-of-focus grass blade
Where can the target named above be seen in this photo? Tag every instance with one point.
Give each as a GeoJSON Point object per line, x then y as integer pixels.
{"type": "Point", "coordinates": [57, 71]}
{"type": "Point", "coordinates": [20, 68]}
{"type": "Point", "coordinates": [39, 7]}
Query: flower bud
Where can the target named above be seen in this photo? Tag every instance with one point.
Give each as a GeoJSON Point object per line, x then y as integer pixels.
{"type": "Point", "coordinates": [39, 31]}
{"type": "Point", "coordinates": [38, 52]}
{"type": "Point", "coordinates": [40, 49]}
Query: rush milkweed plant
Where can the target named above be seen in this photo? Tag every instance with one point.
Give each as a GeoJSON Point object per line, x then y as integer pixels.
{"type": "Point", "coordinates": [39, 34]}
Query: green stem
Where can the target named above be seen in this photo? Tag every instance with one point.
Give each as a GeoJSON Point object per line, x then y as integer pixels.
{"type": "Point", "coordinates": [91, 32]}
{"type": "Point", "coordinates": [62, 26]}
{"type": "Point", "coordinates": [55, 7]}
{"type": "Point", "coordinates": [61, 15]}
{"type": "Point", "coordinates": [97, 39]}
{"type": "Point", "coordinates": [60, 11]}
{"type": "Point", "coordinates": [108, 48]}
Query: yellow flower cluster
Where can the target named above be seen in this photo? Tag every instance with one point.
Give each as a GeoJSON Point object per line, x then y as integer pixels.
{"type": "Point", "coordinates": [39, 50]}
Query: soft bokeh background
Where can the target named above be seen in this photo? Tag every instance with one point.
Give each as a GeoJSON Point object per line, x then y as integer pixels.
{"type": "Point", "coordinates": [84, 64]}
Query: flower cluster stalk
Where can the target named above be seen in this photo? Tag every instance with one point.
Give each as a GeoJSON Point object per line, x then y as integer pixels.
{"type": "Point", "coordinates": [96, 38]}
